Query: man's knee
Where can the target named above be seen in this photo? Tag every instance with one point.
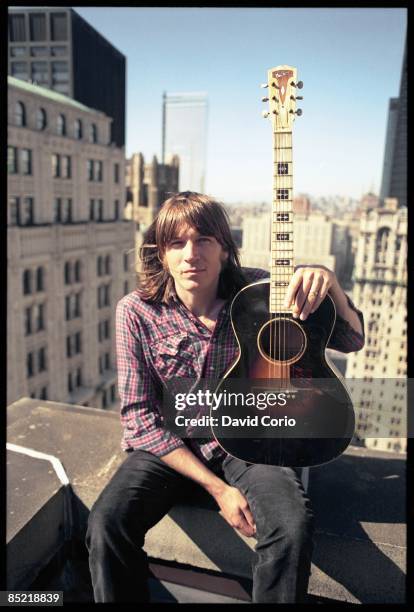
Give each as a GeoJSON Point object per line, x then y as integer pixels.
{"type": "Point", "coordinates": [106, 525]}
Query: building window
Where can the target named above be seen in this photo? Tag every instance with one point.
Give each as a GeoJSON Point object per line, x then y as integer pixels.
{"type": "Point", "coordinates": [55, 165]}
{"type": "Point", "coordinates": [108, 264]}
{"type": "Point", "coordinates": [58, 210]}
{"type": "Point", "coordinates": [89, 169]}
{"type": "Point", "coordinates": [70, 384]}
{"type": "Point", "coordinates": [100, 210]}
{"type": "Point", "coordinates": [20, 70]}
{"type": "Point", "coordinates": [58, 26]}
{"type": "Point", "coordinates": [27, 217]}
{"type": "Point", "coordinates": [66, 166]}
{"type": "Point", "coordinates": [40, 275]}
{"type": "Point", "coordinates": [41, 119]}
{"type": "Point", "coordinates": [43, 393]}
{"type": "Point", "coordinates": [116, 211]}
{"type": "Point", "coordinates": [104, 399]}
{"type": "Point", "coordinates": [60, 77]}
{"type": "Point", "coordinates": [126, 290]}
{"type": "Point", "coordinates": [39, 51]}
{"type": "Point", "coordinates": [37, 26]}
{"type": "Point", "coordinates": [26, 161]}
{"type": "Point", "coordinates": [28, 320]}
{"type": "Point", "coordinates": [77, 305]}
{"type": "Point", "coordinates": [17, 51]}
{"type": "Point", "coordinates": [78, 129]}
{"type": "Point", "coordinates": [40, 73]}
{"type": "Point", "coordinates": [381, 245]}
{"type": "Point", "coordinates": [99, 266]}
{"type": "Point", "coordinates": [68, 275]}
{"type": "Point", "coordinates": [78, 377]}
{"type": "Point", "coordinates": [91, 210]}
{"type": "Point", "coordinates": [67, 211]}
{"type": "Point", "coordinates": [107, 361]}
{"type": "Point", "coordinates": [20, 114]}
{"type": "Point", "coordinates": [112, 394]}
{"type": "Point", "coordinates": [59, 51]}
{"type": "Point", "coordinates": [40, 317]}
{"type": "Point", "coordinates": [61, 125]}
{"type": "Point", "coordinates": [93, 135]}
{"type": "Point", "coordinates": [116, 173]}
{"type": "Point", "coordinates": [78, 343]}
{"type": "Point", "coordinates": [12, 160]}
{"type": "Point", "coordinates": [27, 282]}
{"type": "Point", "coordinates": [98, 171]}
{"type": "Point", "coordinates": [77, 271]}
{"type": "Point", "coordinates": [14, 210]}
{"type": "Point", "coordinates": [29, 365]}
{"type": "Point", "coordinates": [17, 28]}
{"type": "Point", "coordinates": [42, 359]}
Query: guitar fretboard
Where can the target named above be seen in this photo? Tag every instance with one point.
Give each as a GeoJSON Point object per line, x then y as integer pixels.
{"type": "Point", "coordinates": [282, 264]}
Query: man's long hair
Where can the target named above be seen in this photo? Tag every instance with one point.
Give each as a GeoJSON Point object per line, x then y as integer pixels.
{"type": "Point", "coordinates": [209, 218]}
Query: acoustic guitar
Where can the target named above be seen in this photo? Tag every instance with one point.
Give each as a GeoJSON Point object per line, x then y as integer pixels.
{"type": "Point", "coordinates": [282, 402]}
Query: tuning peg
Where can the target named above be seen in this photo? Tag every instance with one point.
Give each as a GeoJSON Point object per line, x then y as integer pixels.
{"type": "Point", "coordinates": [263, 85]}
{"type": "Point", "coordinates": [265, 99]}
{"type": "Point", "coordinates": [299, 112]}
{"type": "Point", "coordinates": [296, 97]}
{"type": "Point", "coordinates": [265, 114]}
{"type": "Point", "coordinates": [299, 84]}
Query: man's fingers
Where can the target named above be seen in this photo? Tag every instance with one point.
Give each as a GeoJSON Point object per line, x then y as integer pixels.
{"type": "Point", "coordinates": [322, 295]}
{"type": "Point", "coordinates": [312, 297]}
{"type": "Point", "coordinates": [249, 518]}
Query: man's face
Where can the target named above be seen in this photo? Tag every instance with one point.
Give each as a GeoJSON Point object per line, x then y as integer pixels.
{"type": "Point", "coordinates": [194, 261]}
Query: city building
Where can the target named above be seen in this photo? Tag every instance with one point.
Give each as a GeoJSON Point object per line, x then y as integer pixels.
{"type": "Point", "coordinates": [318, 239]}
{"type": "Point", "coordinates": [55, 48]}
{"type": "Point", "coordinates": [184, 133]}
{"type": "Point", "coordinates": [70, 253]}
{"type": "Point", "coordinates": [379, 369]}
{"type": "Point", "coordinates": [148, 185]}
{"type": "Point", "coordinates": [394, 174]}
{"type": "Point", "coordinates": [301, 205]}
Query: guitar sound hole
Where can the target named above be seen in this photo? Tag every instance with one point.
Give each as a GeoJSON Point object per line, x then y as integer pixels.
{"type": "Point", "coordinates": [282, 340]}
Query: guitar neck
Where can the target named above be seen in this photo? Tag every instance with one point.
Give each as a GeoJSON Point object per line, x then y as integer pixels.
{"type": "Point", "coordinates": [282, 255]}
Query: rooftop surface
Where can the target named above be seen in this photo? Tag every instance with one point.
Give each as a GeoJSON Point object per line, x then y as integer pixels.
{"type": "Point", "coordinates": [358, 500]}
{"type": "Point", "coordinates": [50, 94]}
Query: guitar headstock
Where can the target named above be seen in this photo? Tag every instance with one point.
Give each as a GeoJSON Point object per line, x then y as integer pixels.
{"type": "Point", "coordinates": [282, 95]}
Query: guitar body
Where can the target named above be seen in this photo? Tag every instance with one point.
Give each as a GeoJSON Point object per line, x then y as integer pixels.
{"type": "Point", "coordinates": [280, 353]}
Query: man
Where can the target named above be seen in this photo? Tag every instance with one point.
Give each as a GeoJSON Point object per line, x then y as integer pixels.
{"type": "Point", "coordinates": [176, 325]}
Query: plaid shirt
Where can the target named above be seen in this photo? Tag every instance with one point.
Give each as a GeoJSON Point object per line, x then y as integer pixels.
{"type": "Point", "coordinates": [156, 343]}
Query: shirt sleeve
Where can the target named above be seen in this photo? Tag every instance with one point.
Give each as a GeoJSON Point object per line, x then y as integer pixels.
{"type": "Point", "coordinates": [344, 338]}
{"type": "Point", "coordinates": [140, 403]}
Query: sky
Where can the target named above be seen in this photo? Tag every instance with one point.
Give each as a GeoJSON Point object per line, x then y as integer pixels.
{"type": "Point", "coordinates": [349, 60]}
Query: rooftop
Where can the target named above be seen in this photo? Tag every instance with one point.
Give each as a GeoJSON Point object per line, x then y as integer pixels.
{"type": "Point", "coordinates": [50, 94]}
{"type": "Point", "coordinates": [60, 457]}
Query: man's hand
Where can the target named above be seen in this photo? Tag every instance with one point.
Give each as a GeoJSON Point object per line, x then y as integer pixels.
{"type": "Point", "coordinates": [308, 288]}
{"type": "Point", "coordinates": [235, 509]}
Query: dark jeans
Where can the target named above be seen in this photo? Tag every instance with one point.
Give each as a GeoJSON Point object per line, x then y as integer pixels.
{"type": "Point", "coordinates": [144, 489]}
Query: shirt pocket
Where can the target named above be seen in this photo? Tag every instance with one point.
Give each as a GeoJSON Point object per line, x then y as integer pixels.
{"type": "Point", "coordinates": [176, 356]}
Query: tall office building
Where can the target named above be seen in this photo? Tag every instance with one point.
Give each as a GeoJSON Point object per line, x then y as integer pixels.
{"type": "Point", "coordinates": [380, 368]}
{"type": "Point", "coordinates": [57, 49]}
{"type": "Point", "coordinates": [184, 133]}
{"type": "Point", "coordinates": [70, 253]}
{"type": "Point", "coordinates": [148, 185]}
{"type": "Point", "coordinates": [394, 174]}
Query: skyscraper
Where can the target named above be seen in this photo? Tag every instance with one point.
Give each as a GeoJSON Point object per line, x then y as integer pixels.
{"type": "Point", "coordinates": [57, 49]}
{"type": "Point", "coordinates": [394, 174]}
{"type": "Point", "coordinates": [184, 133]}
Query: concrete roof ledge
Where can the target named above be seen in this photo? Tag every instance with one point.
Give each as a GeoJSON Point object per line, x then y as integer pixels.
{"type": "Point", "coordinates": [358, 500]}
